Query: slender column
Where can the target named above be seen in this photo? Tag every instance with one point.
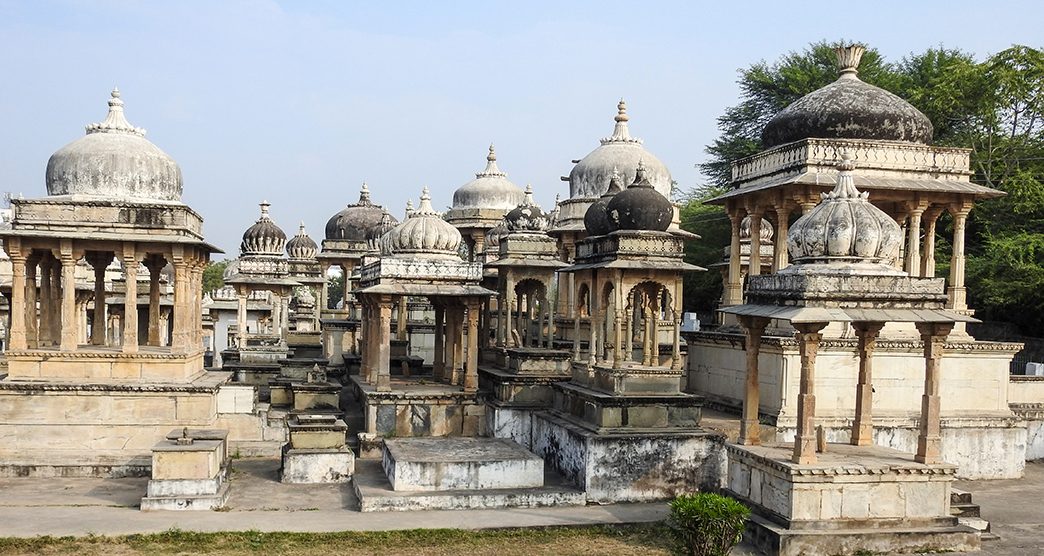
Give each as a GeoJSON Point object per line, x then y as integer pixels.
{"type": "Point", "coordinates": [863, 426]}
{"type": "Point", "coordinates": [284, 313]}
{"type": "Point", "coordinates": [754, 264]}
{"type": "Point", "coordinates": [471, 371]}
{"type": "Point", "coordinates": [19, 310]}
{"type": "Point", "coordinates": [45, 300]}
{"type": "Point", "coordinates": [366, 367]}
{"type": "Point", "coordinates": [592, 342]}
{"type": "Point", "coordinates": [439, 364]}
{"type": "Point", "coordinates": [56, 303]}
{"type": "Point", "coordinates": [629, 327]}
{"type": "Point", "coordinates": [99, 261]}
{"type": "Point", "coordinates": [957, 295]}
{"type": "Point", "coordinates": [241, 318]}
{"type": "Point", "coordinates": [400, 324]}
{"type": "Point", "coordinates": [931, 217]}
{"type": "Point", "coordinates": [346, 298]}
{"type": "Point", "coordinates": [913, 241]}
{"type": "Point", "coordinates": [70, 331]}
{"type": "Point", "coordinates": [676, 358]}
{"type": "Point", "coordinates": [384, 345]}
{"type": "Point", "coordinates": [154, 264]}
{"type": "Point", "coordinates": [618, 342]}
{"type": "Point", "coordinates": [808, 336]}
{"type": "Point", "coordinates": [32, 325]}
{"type": "Point", "coordinates": [130, 302]}
{"type": "Point", "coordinates": [324, 291]}
{"type": "Point", "coordinates": [180, 340]}
{"type": "Point", "coordinates": [929, 440]}
{"type": "Point", "coordinates": [780, 256]}
{"type": "Point", "coordinates": [734, 283]}
{"type": "Point", "coordinates": [457, 377]}
{"type": "Point", "coordinates": [519, 316]}
{"type": "Point", "coordinates": [576, 336]}
{"type": "Point", "coordinates": [750, 426]}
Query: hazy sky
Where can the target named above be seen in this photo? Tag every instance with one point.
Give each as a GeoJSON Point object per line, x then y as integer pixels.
{"type": "Point", "coordinates": [299, 102]}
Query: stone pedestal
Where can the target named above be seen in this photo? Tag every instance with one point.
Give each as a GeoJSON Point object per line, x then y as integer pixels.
{"type": "Point", "coordinates": [317, 452]}
{"type": "Point", "coordinates": [854, 498]}
{"type": "Point", "coordinates": [188, 473]}
{"type": "Point", "coordinates": [428, 464]}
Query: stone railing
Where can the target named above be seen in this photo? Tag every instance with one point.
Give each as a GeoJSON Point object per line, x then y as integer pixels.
{"type": "Point", "coordinates": [875, 155]}
{"type": "Point", "coordinates": [422, 269]}
{"type": "Point", "coordinates": [638, 244]}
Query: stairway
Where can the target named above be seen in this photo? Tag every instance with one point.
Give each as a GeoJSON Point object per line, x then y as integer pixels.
{"type": "Point", "coordinates": [968, 513]}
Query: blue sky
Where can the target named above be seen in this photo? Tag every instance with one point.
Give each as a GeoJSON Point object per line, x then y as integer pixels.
{"type": "Point", "coordinates": [299, 102]}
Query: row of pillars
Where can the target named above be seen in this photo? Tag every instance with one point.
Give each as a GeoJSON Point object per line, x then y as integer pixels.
{"type": "Point", "coordinates": [809, 335]}
{"type": "Point", "coordinates": [916, 262]}
{"type": "Point", "coordinates": [55, 325]}
{"type": "Point", "coordinates": [280, 313]}
{"type": "Point", "coordinates": [525, 319]}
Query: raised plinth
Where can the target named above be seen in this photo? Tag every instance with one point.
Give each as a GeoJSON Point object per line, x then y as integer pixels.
{"type": "Point", "coordinates": [538, 361]}
{"type": "Point", "coordinates": [854, 498]}
{"type": "Point", "coordinates": [104, 363]}
{"type": "Point", "coordinates": [187, 474]}
{"type": "Point", "coordinates": [434, 464]}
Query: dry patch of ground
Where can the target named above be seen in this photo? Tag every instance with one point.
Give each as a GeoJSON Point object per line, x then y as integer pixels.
{"type": "Point", "coordinates": [558, 541]}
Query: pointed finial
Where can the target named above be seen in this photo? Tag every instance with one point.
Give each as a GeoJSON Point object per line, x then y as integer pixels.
{"type": "Point", "coordinates": [425, 208]}
{"type": "Point", "coordinates": [615, 183]}
{"type": "Point", "coordinates": [848, 57]}
{"type": "Point", "coordinates": [115, 92]}
{"type": "Point", "coordinates": [115, 121]}
{"type": "Point", "coordinates": [621, 111]}
{"type": "Point", "coordinates": [364, 194]}
{"type": "Point", "coordinates": [492, 153]}
{"type": "Point", "coordinates": [639, 174]}
{"type": "Point", "coordinates": [301, 229]}
{"type": "Point", "coordinates": [264, 208]}
{"type": "Point", "coordinates": [845, 188]}
{"type": "Point", "coordinates": [558, 197]}
{"type": "Point", "coordinates": [491, 165]}
{"type": "Point", "coordinates": [529, 195]}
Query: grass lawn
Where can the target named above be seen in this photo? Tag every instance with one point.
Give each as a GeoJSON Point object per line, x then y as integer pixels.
{"type": "Point", "coordinates": [558, 541]}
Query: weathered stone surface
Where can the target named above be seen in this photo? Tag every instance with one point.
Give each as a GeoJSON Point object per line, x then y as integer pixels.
{"type": "Point", "coordinates": [317, 466]}
{"type": "Point", "coordinates": [431, 464]}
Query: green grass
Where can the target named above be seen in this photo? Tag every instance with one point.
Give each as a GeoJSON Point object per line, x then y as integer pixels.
{"type": "Point", "coordinates": [558, 541]}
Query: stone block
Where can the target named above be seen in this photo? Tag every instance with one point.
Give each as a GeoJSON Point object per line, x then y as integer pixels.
{"type": "Point", "coordinates": [887, 501]}
{"type": "Point", "coordinates": [855, 501]}
{"type": "Point", "coordinates": [436, 464]}
{"type": "Point", "coordinates": [317, 466]}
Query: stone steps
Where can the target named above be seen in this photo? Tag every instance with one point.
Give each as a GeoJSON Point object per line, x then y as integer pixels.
{"type": "Point", "coordinates": [969, 514]}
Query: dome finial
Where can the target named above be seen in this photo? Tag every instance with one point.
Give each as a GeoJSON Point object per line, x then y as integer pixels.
{"type": "Point", "coordinates": [409, 208]}
{"type": "Point", "coordinates": [848, 57]}
{"type": "Point", "coordinates": [845, 188]}
{"type": "Point", "coordinates": [364, 194]}
{"type": "Point", "coordinates": [264, 208]}
{"type": "Point", "coordinates": [529, 195]}
{"type": "Point", "coordinates": [620, 131]}
{"type": "Point", "coordinates": [492, 153]}
{"type": "Point", "coordinates": [615, 183]}
{"type": "Point", "coordinates": [621, 111]}
{"type": "Point", "coordinates": [425, 208]}
{"type": "Point", "coordinates": [115, 121]}
{"type": "Point", "coordinates": [639, 174]}
{"type": "Point", "coordinates": [491, 165]}
{"type": "Point", "coordinates": [301, 229]}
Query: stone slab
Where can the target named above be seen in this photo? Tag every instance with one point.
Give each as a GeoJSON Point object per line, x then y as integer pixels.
{"type": "Point", "coordinates": [317, 466]}
{"type": "Point", "coordinates": [187, 503]}
{"type": "Point", "coordinates": [434, 464]}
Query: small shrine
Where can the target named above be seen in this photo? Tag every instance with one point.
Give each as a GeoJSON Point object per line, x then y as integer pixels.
{"type": "Point", "coordinates": [480, 204]}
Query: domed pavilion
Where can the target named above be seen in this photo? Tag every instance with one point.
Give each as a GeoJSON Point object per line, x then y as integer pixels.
{"type": "Point", "coordinates": [480, 204]}
{"type": "Point", "coordinates": [111, 194]}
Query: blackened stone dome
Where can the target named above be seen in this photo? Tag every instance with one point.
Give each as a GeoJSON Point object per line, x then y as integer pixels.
{"type": "Point", "coordinates": [596, 219]}
{"type": "Point", "coordinates": [640, 206]}
{"type": "Point", "coordinates": [355, 220]}
{"type": "Point", "coordinates": [527, 216]}
{"type": "Point", "coordinates": [848, 109]}
{"type": "Point", "coordinates": [302, 246]}
{"type": "Point", "coordinates": [264, 237]}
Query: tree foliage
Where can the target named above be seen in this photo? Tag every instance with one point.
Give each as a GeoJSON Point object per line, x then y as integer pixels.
{"type": "Point", "coordinates": [995, 107]}
{"type": "Point", "coordinates": [214, 276]}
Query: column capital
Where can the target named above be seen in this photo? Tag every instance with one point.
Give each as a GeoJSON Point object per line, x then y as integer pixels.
{"type": "Point", "coordinates": [960, 209]}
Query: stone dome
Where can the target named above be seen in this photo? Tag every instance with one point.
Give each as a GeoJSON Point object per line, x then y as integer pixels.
{"type": "Point", "coordinates": [114, 160]}
{"type": "Point", "coordinates": [596, 219]}
{"type": "Point", "coordinates": [845, 228]}
{"type": "Point", "coordinates": [589, 178]}
{"type": "Point", "coordinates": [355, 220]}
{"type": "Point", "coordinates": [527, 216]}
{"type": "Point", "coordinates": [640, 206]}
{"type": "Point", "coordinates": [424, 234]}
{"type": "Point", "coordinates": [301, 246]}
{"type": "Point", "coordinates": [373, 237]}
{"type": "Point", "coordinates": [264, 237]}
{"type": "Point", "coordinates": [495, 234]}
{"type": "Point", "coordinates": [766, 230]}
{"type": "Point", "coordinates": [489, 190]}
{"type": "Point", "coordinates": [848, 109]}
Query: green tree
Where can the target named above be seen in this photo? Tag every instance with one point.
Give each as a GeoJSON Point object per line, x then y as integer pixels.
{"type": "Point", "coordinates": [334, 291]}
{"type": "Point", "coordinates": [214, 276]}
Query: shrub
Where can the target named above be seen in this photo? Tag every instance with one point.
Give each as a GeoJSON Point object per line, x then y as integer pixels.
{"type": "Point", "coordinates": [707, 524]}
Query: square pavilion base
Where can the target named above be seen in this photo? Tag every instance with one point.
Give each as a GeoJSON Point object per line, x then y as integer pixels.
{"type": "Point", "coordinates": [854, 498]}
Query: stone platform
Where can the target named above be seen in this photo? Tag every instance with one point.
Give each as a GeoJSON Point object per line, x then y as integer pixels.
{"type": "Point", "coordinates": [853, 498]}
{"type": "Point", "coordinates": [437, 464]}
{"type": "Point", "coordinates": [375, 494]}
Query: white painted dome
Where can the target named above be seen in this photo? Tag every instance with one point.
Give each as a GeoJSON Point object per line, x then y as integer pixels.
{"type": "Point", "coordinates": [423, 234]}
{"type": "Point", "coordinates": [489, 190]}
{"type": "Point", "coordinates": [114, 161]}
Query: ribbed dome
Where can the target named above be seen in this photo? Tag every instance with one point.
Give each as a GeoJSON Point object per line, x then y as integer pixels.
{"type": "Point", "coordinates": [423, 234]}
{"type": "Point", "coordinates": [355, 221]}
{"type": "Point", "coordinates": [766, 230]}
{"type": "Point", "coordinates": [590, 177]}
{"type": "Point", "coordinates": [640, 206]}
{"type": "Point", "coordinates": [301, 246]}
{"type": "Point", "coordinates": [114, 160]}
{"type": "Point", "coordinates": [264, 237]}
{"type": "Point", "coordinates": [489, 190]}
{"type": "Point", "coordinates": [844, 228]}
{"type": "Point", "coordinates": [596, 219]}
{"type": "Point", "coordinates": [528, 216]}
{"type": "Point", "coordinates": [848, 109]}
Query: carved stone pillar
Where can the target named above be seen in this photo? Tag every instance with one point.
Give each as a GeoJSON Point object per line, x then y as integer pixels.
{"type": "Point", "coordinates": [863, 426]}
{"type": "Point", "coordinates": [754, 264]}
{"type": "Point", "coordinates": [19, 310]}
{"type": "Point", "coordinates": [929, 440]}
{"type": "Point", "coordinates": [384, 344]}
{"type": "Point", "coordinates": [913, 240]}
{"type": "Point", "coordinates": [471, 371]}
{"type": "Point", "coordinates": [46, 310]}
{"type": "Point", "coordinates": [808, 336]}
{"type": "Point", "coordinates": [182, 307]}
{"type": "Point", "coordinates": [70, 331]}
{"type": "Point", "coordinates": [400, 323]}
{"type": "Point", "coordinates": [780, 255]}
{"type": "Point", "coordinates": [56, 303]}
{"type": "Point", "coordinates": [241, 317]}
{"type": "Point", "coordinates": [734, 281]}
{"type": "Point", "coordinates": [154, 263]}
{"type": "Point", "coordinates": [130, 302]}
{"type": "Point", "coordinates": [99, 261]}
{"type": "Point", "coordinates": [618, 318]}
{"type": "Point", "coordinates": [439, 363]}
{"type": "Point", "coordinates": [750, 426]}
{"type": "Point", "coordinates": [32, 324]}
{"type": "Point", "coordinates": [958, 295]}
{"type": "Point", "coordinates": [931, 217]}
